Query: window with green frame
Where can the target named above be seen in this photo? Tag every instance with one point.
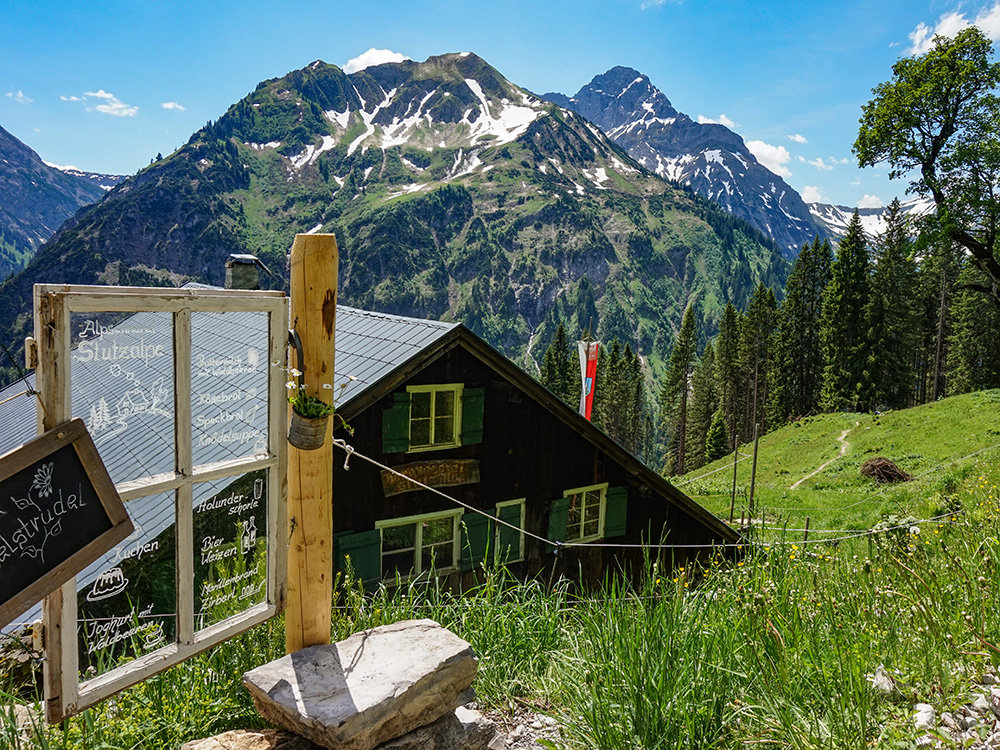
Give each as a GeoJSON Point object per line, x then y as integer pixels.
{"type": "Point", "coordinates": [435, 416]}
{"type": "Point", "coordinates": [585, 512]}
{"type": "Point", "coordinates": [417, 544]}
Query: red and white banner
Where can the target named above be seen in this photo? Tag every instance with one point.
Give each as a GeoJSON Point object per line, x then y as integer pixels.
{"type": "Point", "coordinates": [588, 374]}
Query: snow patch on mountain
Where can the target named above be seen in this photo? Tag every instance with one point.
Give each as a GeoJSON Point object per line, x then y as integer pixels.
{"type": "Point", "coordinates": [836, 218]}
{"type": "Point", "coordinates": [509, 124]}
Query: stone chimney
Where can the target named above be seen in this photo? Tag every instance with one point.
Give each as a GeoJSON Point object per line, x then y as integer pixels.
{"type": "Point", "coordinates": [243, 271]}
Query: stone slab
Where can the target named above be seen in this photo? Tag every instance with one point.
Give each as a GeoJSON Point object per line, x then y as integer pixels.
{"type": "Point", "coordinates": [373, 687]}
{"type": "Point", "coordinates": [463, 729]}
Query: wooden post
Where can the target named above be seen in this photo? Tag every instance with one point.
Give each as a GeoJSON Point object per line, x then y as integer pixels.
{"type": "Point", "coordinates": [805, 537]}
{"type": "Point", "coordinates": [313, 288]}
{"type": "Point", "coordinates": [736, 453]}
{"type": "Point", "coordinates": [753, 471]}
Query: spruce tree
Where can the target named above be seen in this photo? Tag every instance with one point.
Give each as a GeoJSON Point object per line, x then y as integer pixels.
{"type": "Point", "coordinates": [795, 377]}
{"type": "Point", "coordinates": [727, 370]}
{"type": "Point", "coordinates": [675, 392]}
{"type": "Point", "coordinates": [704, 404]}
{"type": "Point", "coordinates": [893, 315]}
{"type": "Point", "coordinates": [847, 379]}
{"type": "Point", "coordinates": [559, 371]}
{"type": "Point", "coordinates": [755, 338]}
{"type": "Point", "coordinates": [717, 440]}
{"type": "Point", "coordinates": [974, 342]}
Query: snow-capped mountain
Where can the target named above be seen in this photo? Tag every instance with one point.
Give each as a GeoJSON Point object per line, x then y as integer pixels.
{"type": "Point", "coordinates": [710, 158]}
{"type": "Point", "coordinates": [834, 219]}
{"type": "Point", "coordinates": [453, 193]}
{"type": "Point", "coordinates": [103, 181]}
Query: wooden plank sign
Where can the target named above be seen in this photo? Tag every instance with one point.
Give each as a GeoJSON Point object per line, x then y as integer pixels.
{"type": "Point", "coordinates": [59, 512]}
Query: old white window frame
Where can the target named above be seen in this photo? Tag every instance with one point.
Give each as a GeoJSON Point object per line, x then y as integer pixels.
{"type": "Point", "coordinates": [53, 306]}
{"type": "Point", "coordinates": [417, 570]}
{"type": "Point", "coordinates": [602, 503]}
{"type": "Point", "coordinates": [456, 389]}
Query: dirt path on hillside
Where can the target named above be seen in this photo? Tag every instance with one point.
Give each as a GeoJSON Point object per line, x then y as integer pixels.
{"type": "Point", "coordinates": [844, 445]}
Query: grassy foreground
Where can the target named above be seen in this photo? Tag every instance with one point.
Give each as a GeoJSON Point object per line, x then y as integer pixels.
{"type": "Point", "coordinates": [778, 648]}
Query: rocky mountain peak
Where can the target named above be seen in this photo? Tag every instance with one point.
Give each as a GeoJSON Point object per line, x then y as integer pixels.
{"type": "Point", "coordinates": [709, 157]}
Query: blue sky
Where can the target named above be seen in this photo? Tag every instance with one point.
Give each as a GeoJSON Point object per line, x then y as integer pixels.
{"type": "Point", "coordinates": [106, 85]}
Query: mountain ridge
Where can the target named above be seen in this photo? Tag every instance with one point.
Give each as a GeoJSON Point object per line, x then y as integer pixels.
{"type": "Point", "coordinates": [35, 199]}
{"type": "Point", "coordinates": [453, 193]}
{"type": "Point", "coordinates": [709, 157]}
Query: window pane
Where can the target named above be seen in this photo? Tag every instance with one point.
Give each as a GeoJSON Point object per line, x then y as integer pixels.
{"type": "Point", "coordinates": [397, 562]}
{"type": "Point", "coordinates": [420, 405]}
{"type": "Point", "coordinates": [229, 371]}
{"type": "Point", "coordinates": [444, 430]}
{"type": "Point", "coordinates": [590, 528]}
{"type": "Point", "coordinates": [230, 554]}
{"type": "Point", "coordinates": [127, 600]}
{"type": "Point", "coordinates": [438, 530]}
{"type": "Point", "coordinates": [573, 519]}
{"type": "Point", "coordinates": [444, 403]}
{"type": "Point", "coordinates": [399, 537]}
{"type": "Point", "coordinates": [437, 557]}
{"type": "Point", "coordinates": [420, 432]}
{"type": "Point", "coordinates": [122, 372]}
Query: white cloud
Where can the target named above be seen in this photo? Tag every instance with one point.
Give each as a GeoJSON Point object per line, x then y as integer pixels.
{"type": "Point", "coordinates": [949, 24]}
{"type": "Point", "coordinates": [173, 105]}
{"type": "Point", "coordinates": [373, 57]}
{"type": "Point", "coordinates": [870, 201]}
{"type": "Point", "coordinates": [855, 183]}
{"type": "Point", "coordinates": [812, 194]}
{"type": "Point", "coordinates": [107, 103]}
{"type": "Point", "coordinates": [797, 138]}
{"type": "Point", "coordinates": [20, 97]}
{"type": "Point", "coordinates": [647, 4]}
{"type": "Point", "coordinates": [720, 120]}
{"type": "Point", "coordinates": [773, 157]}
{"type": "Point", "coordinates": [821, 165]}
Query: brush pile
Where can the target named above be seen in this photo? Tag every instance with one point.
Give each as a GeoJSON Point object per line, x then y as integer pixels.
{"type": "Point", "coordinates": [884, 471]}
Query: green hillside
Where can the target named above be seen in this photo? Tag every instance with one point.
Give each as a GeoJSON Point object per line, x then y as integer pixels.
{"type": "Point", "coordinates": [939, 444]}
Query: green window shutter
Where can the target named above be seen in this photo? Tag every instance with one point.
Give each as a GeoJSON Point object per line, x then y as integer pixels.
{"type": "Point", "coordinates": [476, 531]}
{"type": "Point", "coordinates": [616, 512]}
{"type": "Point", "coordinates": [558, 516]}
{"type": "Point", "coordinates": [396, 424]}
{"type": "Point", "coordinates": [365, 550]}
{"type": "Point", "coordinates": [509, 546]}
{"type": "Point", "coordinates": [472, 415]}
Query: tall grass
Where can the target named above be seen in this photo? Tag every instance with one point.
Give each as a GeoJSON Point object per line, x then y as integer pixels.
{"type": "Point", "coordinates": [776, 648]}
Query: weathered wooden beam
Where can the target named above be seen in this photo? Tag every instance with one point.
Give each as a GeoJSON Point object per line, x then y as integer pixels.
{"type": "Point", "coordinates": [313, 280]}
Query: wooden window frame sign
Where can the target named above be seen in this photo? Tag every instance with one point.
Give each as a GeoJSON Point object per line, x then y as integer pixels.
{"type": "Point", "coordinates": [68, 691]}
{"type": "Point", "coordinates": [96, 492]}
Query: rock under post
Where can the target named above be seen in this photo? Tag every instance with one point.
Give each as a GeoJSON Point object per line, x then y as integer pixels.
{"type": "Point", "coordinates": [375, 686]}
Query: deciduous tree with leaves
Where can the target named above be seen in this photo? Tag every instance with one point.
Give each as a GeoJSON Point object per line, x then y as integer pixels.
{"type": "Point", "coordinates": [938, 119]}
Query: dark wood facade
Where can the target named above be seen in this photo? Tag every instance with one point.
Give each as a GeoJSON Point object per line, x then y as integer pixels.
{"type": "Point", "coordinates": [531, 447]}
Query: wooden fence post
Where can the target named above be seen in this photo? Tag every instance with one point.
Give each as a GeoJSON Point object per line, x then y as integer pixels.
{"type": "Point", "coordinates": [313, 289]}
{"type": "Point", "coordinates": [753, 471]}
{"type": "Point", "coordinates": [736, 454]}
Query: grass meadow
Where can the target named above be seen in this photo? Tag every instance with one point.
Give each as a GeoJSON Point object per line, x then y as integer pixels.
{"type": "Point", "coordinates": [778, 648]}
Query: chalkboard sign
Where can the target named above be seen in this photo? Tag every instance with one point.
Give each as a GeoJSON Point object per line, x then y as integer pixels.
{"type": "Point", "coordinates": [59, 512]}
